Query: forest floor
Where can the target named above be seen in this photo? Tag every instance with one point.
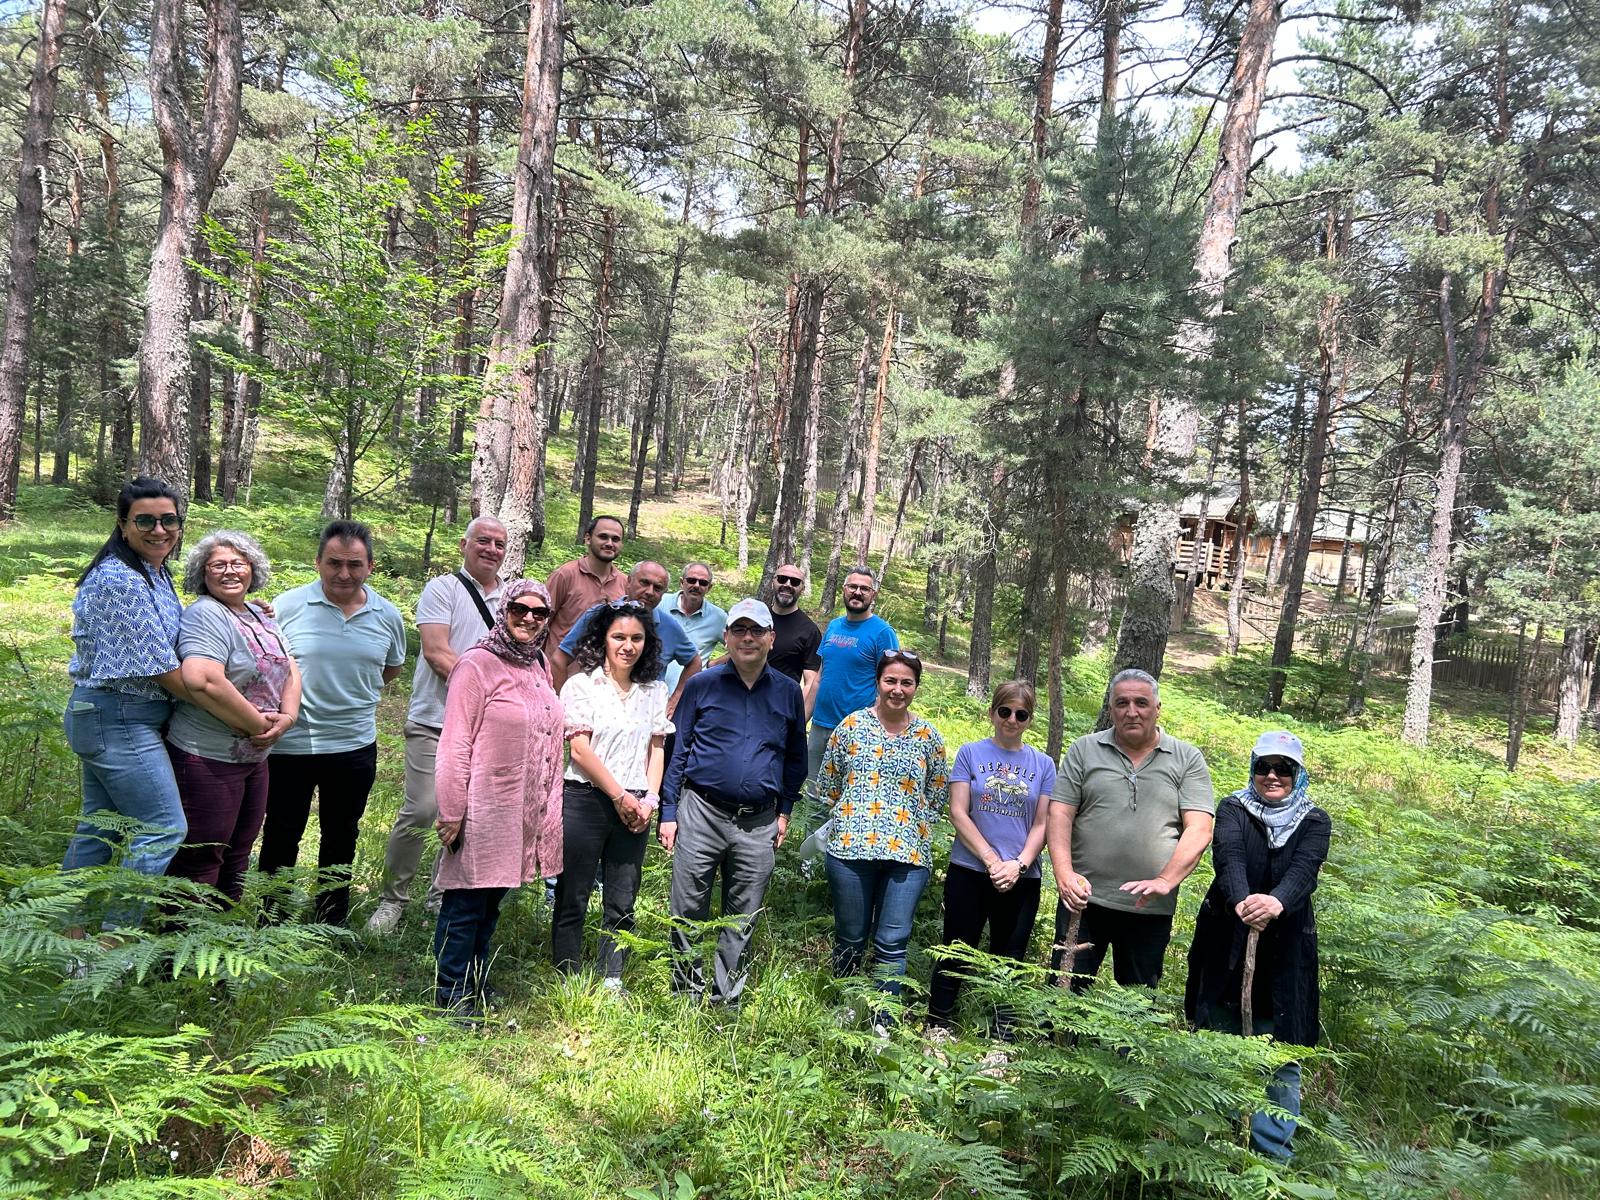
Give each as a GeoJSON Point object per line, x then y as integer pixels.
{"type": "Point", "coordinates": [1459, 913]}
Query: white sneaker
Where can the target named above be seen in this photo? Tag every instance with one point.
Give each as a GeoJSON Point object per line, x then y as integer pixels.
{"type": "Point", "coordinates": [385, 919]}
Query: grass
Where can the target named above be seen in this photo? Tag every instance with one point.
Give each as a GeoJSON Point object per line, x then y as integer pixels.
{"type": "Point", "coordinates": [1460, 927]}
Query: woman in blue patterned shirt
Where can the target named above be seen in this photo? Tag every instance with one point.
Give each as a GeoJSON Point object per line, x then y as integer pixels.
{"type": "Point", "coordinates": [125, 671]}
{"type": "Point", "coordinates": [887, 778]}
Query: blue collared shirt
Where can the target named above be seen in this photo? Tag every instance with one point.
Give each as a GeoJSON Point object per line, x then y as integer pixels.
{"type": "Point", "coordinates": [124, 630]}
{"type": "Point", "coordinates": [743, 743]}
{"type": "Point", "coordinates": [675, 644]}
{"type": "Point", "coordinates": [704, 629]}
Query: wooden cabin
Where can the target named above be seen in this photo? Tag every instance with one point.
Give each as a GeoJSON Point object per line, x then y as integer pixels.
{"type": "Point", "coordinates": [1211, 530]}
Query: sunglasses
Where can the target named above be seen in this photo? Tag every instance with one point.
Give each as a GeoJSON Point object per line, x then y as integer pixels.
{"type": "Point", "coordinates": [521, 612]}
{"type": "Point", "coordinates": [697, 583]}
{"type": "Point", "coordinates": [1006, 713]}
{"type": "Point", "coordinates": [900, 656]}
{"type": "Point", "coordinates": [1282, 767]}
{"type": "Point", "coordinates": [626, 605]}
{"type": "Point", "coordinates": [744, 630]}
{"type": "Point", "coordinates": [148, 521]}
{"type": "Point", "coordinates": [789, 580]}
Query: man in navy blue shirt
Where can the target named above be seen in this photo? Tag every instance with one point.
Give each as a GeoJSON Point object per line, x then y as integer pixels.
{"type": "Point", "coordinates": [647, 583]}
{"type": "Point", "coordinates": [737, 768]}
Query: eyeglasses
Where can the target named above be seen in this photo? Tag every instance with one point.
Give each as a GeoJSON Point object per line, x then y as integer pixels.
{"type": "Point", "coordinates": [743, 630]}
{"type": "Point", "coordinates": [148, 521]}
{"type": "Point", "coordinates": [521, 612]}
{"type": "Point", "coordinates": [227, 568]}
{"type": "Point", "coordinates": [789, 580]}
{"type": "Point", "coordinates": [859, 587]}
{"type": "Point", "coordinates": [696, 583]}
{"type": "Point", "coordinates": [626, 605]}
{"type": "Point", "coordinates": [1022, 715]}
{"type": "Point", "coordinates": [1282, 767]}
{"type": "Point", "coordinates": [900, 656]}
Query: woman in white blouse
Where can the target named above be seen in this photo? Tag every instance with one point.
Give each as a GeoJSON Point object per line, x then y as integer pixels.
{"type": "Point", "coordinates": [616, 716]}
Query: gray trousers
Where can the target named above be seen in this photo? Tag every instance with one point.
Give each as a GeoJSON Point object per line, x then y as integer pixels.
{"type": "Point", "coordinates": [413, 828]}
{"type": "Point", "coordinates": [743, 848]}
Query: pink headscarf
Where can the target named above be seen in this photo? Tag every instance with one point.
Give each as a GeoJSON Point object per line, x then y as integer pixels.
{"type": "Point", "coordinates": [499, 640]}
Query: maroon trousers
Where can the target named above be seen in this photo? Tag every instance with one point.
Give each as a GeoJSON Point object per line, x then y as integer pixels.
{"type": "Point", "coordinates": [224, 803]}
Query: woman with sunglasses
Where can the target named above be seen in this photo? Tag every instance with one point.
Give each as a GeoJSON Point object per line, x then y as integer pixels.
{"type": "Point", "coordinates": [1269, 845]}
{"type": "Point", "coordinates": [887, 778]}
{"type": "Point", "coordinates": [125, 675]}
{"type": "Point", "coordinates": [999, 798]}
{"type": "Point", "coordinates": [617, 726]}
{"type": "Point", "coordinates": [245, 694]}
{"type": "Point", "coordinates": [498, 781]}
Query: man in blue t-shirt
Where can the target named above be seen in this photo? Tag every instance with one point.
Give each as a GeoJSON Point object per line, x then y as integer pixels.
{"type": "Point", "coordinates": [849, 652]}
{"type": "Point", "coordinates": [647, 583]}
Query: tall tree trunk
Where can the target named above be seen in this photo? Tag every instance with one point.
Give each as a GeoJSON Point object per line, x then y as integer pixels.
{"type": "Point", "coordinates": [1241, 530]}
{"type": "Point", "coordinates": [1344, 559]}
{"type": "Point", "coordinates": [1462, 379]}
{"type": "Point", "coordinates": [193, 154]}
{"type": "Point", "coordinates": [869, 478]}
{"type": "Point", "coordinates": [839, 521]}
{"type": "Point", "coordinates": [598, 346]}
{"type": "Point", "coordinates": [938, 563]}
{"type": "Point", "coordinates": [1332, 372]}
{"type": "Point", "coordinates": [900, 509]}
{"type": "Point", "coordinates": [508, 461]}
{"type": "Point", "coordinates": [1142, 638]}
{"type": "Point", "coordinates": [744, 445]}
{"type": "Point", "coordinates": [22, 278]}
{"type": "Point", "coordinates": [1526, 673]}
{"type": "Point", "coordinates": [66, 355]}
{"type": "Point", "coordinates": [244, 396]}
{"type": "Point", "coordinates": [200, 397]}
{"type": "Point", "coordinates": [1569, 692]}
{"type": "Point", "coordinates": [980, 649]}
{"type": "Point", "coordinates": [809, 306]}
{"type": "Point", "coordinates": [658, 373]}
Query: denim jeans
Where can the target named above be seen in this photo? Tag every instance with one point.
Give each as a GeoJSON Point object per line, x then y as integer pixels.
{"type": "Point", "coordinates": [467, 917]}
{"type": "Point", "coordinates": [1269, 1135]}
{"type": "Point", "coordinates": [878, 897]}
{"type": "Point", "coordinates": [593, 835]}
{"type": "Point", "coordinates": [126, 769]}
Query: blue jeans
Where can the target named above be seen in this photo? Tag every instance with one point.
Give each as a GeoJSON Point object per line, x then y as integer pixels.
{"type": "Point", "coordinates": [876, 896]}
{"type": "Point", "coordinates": [126, 769]}
{"type": "Point", "coordinates": [1269, 1135]}
{"type": "Point", "coordinates": [467, 918]}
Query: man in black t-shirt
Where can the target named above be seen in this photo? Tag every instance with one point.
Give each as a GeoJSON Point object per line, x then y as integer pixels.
{"type": "Point", "coordinates": [794, 649]}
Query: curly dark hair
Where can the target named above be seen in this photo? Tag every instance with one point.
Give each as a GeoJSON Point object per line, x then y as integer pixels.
{"type": "Point", "coordinates": [590, 651]}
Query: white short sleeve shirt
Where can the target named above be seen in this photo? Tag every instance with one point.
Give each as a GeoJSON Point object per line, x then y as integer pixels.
{"type": "Point", "coordinates": [620, 725]}
{"type": "Point", "coordinates": [444, 601]}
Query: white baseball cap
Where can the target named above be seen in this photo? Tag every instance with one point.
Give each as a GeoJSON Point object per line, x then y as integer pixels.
{"type": "Point", "coordinates": [1280, 743]}
{"type": "Point", "coordinates": [750, 609]}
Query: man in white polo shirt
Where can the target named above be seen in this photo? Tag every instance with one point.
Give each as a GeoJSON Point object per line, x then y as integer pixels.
{"type": "Point", "coordinates": [453, 613]}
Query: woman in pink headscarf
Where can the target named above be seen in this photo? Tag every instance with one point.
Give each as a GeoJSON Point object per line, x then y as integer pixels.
{"type": "Point", "coordinates": [498, 778]}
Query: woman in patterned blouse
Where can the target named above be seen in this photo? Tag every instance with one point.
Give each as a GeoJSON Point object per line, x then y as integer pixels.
{"type": "Point", "coordinates": [887, 778]}
{"type": "Point", "coordinates": [125, 673]}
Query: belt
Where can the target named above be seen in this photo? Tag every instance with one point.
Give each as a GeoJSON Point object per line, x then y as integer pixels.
{"type": "Point", "coordinates": [731, 805]}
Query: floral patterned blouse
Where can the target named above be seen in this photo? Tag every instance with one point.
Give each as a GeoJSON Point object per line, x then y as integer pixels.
{"type": "Point", "coordinates": [886, 791]}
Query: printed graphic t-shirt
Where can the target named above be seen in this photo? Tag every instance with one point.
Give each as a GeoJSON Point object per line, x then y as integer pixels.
{"type": "Point", "coordinates": [1007, 787]}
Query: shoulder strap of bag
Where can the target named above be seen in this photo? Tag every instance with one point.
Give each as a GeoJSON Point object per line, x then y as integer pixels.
{"type": "Point", "coordinates": [483, 609]}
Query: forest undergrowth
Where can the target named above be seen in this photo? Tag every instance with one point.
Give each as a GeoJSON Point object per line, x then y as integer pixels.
{"type": "Point", "coordinates": [1459, 917]}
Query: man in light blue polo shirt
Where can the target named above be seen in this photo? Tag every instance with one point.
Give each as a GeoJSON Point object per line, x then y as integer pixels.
{"type": "Point", "coordinates": [702, 620]}
{"type": "Point", "coordinates": [349, 642]}
{"type": "Point", "coordinates": [647, 583]}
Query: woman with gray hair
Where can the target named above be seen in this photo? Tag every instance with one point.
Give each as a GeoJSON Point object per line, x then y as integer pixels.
{"type": "Point", "coordinates": [245, 694]}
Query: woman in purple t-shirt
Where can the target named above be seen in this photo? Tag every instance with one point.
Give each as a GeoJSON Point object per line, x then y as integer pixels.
{"type": "Point", "coordinates": [999, 792]}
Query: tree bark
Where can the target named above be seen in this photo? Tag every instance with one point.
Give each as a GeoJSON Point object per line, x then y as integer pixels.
{"type": "Point", "coordinates": [839, 520]}
{"type": "Point", "coordinates": [1142, 638]}
{"type": "Point", "coordinates": [1569, 694]}
{"type": "Point", "coordinates": [193, 154]}
{"type": "Point", "coordinates": [508, 459]}
{"type": "Point", "coordinates": [900, 509]}
{"type": "Point", "coordinates": [657, 373]}
{"type": "Point", "coordinates": [869, 477]}
{"type": "Point", "coordinates": [27, 220]}
{"type": "Point", "coordinates": [600, 342]}
{"type": "Point", "coordinates": [1241, 530]}
{"type": "Point", "coordinates": [980, 648]}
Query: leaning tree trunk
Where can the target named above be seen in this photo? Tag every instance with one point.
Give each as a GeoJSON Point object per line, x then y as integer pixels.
{"type": "Point", "coordinates": [23, 264]}
{"type": "Point", "coordinates": [1142, 638]}
{"type": "Point", "coordinates": [193, 154]}
{"type": "Point", "coordinates": [508, 460]}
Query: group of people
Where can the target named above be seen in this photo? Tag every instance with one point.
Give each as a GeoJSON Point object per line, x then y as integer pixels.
{"type": "Point", "coordinates": [552, 723]}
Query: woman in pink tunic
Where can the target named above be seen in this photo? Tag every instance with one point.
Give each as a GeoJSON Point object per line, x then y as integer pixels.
{"type": "Point", "coordinates": [498, 778]}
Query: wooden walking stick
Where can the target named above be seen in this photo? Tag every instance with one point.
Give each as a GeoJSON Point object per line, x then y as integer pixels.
{"type": "Point", "coordinates": [1246, 1000]}
{"type": "Point", "coordinates": [1069, 948]}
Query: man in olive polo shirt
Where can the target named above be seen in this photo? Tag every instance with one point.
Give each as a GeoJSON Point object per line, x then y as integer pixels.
{"type": "Point", "coordinates": [1130, 817]}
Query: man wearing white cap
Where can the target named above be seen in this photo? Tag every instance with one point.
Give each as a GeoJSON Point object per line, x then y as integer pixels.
{"type": "Point", "coordinates": [1131, 815]}
{"type": "Point", "coordinates": [737, 768]}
